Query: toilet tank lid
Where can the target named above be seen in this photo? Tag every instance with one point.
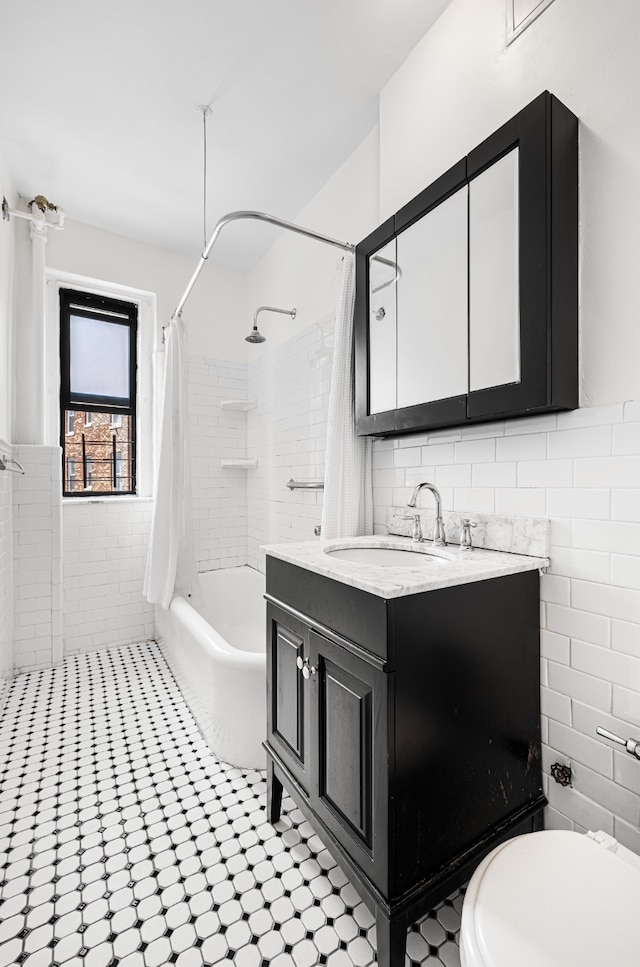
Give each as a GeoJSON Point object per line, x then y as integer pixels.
{"type": "Point", "coordinates": [554, 898]}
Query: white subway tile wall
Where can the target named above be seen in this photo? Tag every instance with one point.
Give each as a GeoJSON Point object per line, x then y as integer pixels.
{"type": "Point", "coordinates": [219, 495]}
{"type": "Point", "coordinates": [6, 585]}
{"type": "Point", "coordinates": [105, 553]}
{"type": "Point", "coordinates": [582, 470]}
{"type": "Point", "coordinates": [37, 558]}
{"type": "Point", "coordinates": [287, 433]}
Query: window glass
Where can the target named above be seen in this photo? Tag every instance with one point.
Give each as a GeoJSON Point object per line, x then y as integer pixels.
{"type": "Point", "coordinates": [98, 358]}
{"type": "Point", "coordinates": [70, 419]}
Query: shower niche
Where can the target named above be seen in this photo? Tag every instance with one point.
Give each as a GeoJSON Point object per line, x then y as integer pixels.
{"type": "Point", "coordinates": [466, 298]}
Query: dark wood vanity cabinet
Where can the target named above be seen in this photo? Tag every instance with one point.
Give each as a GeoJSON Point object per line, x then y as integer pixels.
{"type": "Point", "coordinates": [406, 729]}
{"type": "Point", "coordinates": [467, 298]}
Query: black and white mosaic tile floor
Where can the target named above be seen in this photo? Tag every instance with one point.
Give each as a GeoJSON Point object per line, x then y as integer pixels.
{"type": "Point", "coordinates": [123, 841]}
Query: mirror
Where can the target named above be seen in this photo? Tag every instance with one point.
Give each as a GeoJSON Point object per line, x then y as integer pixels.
{"type": "Point", "coordinates": [466, 303]}
{"type": "Point", "coordinates": [432, 304]}
{"type": "Point", "coordinates": [383, 290]}
{"type": "Point", "coordinates": [494, 283]}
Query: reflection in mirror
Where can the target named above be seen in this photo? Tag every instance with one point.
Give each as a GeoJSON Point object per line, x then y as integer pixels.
{"type": "Point", "coordinates": [494, 314]}
{"type": "Point", "coordinates": [382, 329]}
{"type": "Point", "coordinates": [432, 304]}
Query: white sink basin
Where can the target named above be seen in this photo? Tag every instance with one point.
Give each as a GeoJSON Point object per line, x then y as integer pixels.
{"type": "Point", "coordinates": [390, 556]}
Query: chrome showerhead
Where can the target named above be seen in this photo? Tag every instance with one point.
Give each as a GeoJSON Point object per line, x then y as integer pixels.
{"type": "Point", "coordinates": [255, 336]}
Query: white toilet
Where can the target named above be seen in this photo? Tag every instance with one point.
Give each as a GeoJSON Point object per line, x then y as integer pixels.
{"type": "Point", "coordinates": [553, 899]}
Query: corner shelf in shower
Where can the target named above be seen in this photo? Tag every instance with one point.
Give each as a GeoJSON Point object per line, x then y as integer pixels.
{"type": "Point", "coordinates": [238, 404]}
{"type": "Point", "coordinates": [240, 463]}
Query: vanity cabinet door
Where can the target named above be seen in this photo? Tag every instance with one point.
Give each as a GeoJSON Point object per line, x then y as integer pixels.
{"type": "Point", "coordinates": [348, 750]}
{"type": "Point", "coordinates": [287, 705]}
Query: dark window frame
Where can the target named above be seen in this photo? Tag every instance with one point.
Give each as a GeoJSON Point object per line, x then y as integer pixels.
{"type": "Point", "coordinates": [92, 306]}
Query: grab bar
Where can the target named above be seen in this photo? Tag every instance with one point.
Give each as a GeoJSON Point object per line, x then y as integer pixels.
{"type": "Point", "coordinates": [13, 466]}
{"type": "Point", "coordinates": [305, 484]}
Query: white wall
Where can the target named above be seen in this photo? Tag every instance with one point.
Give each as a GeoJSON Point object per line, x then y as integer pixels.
{"type": "Point", "coordinates": [219, 493]}
{"type": "Point", "coordinates": [287, 435]}
{"type": "Point", "coordinates": [461, 82]}
{"type": "Point", "coordinates": [7, 312]}
{"type": "Point", "coordinates": [105, 542]}
{"type": "Point", "coordinates": [104, 557]}
{"type": "Point", "coordinates": [297, 272]}
{"type": "Point", "coordinates": [37, 558]}
{"type": "Point", "coordinates": [582, 470]}
{"type": "Point", "coordinates": [7, 302]}
{"type": "Point", "coordinates": [289, 374]}
{"type": "Point", "coordinates": [6, 584]}
{"type": "Point", "coordinates": [213, 309]}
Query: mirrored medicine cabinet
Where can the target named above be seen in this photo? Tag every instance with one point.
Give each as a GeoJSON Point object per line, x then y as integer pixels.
{"type": "Point", "coordinates": [466, 298]}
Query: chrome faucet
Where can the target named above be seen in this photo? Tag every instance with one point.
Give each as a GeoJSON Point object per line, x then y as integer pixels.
{"type": "Point", "coordinates": [438, 531]}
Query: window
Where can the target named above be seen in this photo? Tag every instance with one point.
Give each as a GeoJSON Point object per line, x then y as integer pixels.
{"type": "Point", "coordinates": [98, 378]}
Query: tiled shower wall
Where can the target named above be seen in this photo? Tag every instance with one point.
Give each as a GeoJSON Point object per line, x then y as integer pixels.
{"type": "Point", "coordinates": [582, 470]}
{"type": "Point", "coordinates": [6, 584]}
{"type": "Point", "coordinates": [219, 494]}
{"type": "Point", "coordinates": [287, 433]}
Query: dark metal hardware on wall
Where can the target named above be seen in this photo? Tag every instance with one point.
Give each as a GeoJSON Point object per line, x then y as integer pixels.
{"type": "Point", "coordinates": [561, 774]}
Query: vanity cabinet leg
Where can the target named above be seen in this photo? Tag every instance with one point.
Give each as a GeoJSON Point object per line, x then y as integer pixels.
{"type": "Point", "coordinates": [274, 794]}
{"type": "Point", "coordinates": [391, 941]}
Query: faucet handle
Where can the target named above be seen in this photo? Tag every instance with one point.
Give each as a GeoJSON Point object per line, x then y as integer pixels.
{"type": "Point", "coordinates": [466, 542]}
{"type": "Point", "coordinates": [417, 534]}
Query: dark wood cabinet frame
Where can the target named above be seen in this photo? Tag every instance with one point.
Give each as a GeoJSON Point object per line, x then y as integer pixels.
{"type": "Point", "coordinates": [546, 133]}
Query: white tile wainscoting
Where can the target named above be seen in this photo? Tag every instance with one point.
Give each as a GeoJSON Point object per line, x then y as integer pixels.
{"type": "Point", "coordinates": [104, 557]}
{"type": "Point", "coordinates": [6, 583]}
{"type": "Point", "coordinates": [37, 557]}
{"type": "Point", "coordinates": [582, 470]}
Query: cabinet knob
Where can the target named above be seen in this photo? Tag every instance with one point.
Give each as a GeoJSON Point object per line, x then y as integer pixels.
{"type": "Point", "coordinates": [304, 666]}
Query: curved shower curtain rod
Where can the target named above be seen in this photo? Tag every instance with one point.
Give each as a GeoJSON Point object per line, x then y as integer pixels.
{"type": "Point", "coordinates": [261, 217]}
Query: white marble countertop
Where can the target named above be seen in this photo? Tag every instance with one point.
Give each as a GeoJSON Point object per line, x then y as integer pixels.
{"type": "Point", "coordinates": [444, 567]}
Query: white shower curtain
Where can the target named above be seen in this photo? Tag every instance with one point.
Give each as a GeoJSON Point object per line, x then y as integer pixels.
{"type": "Point", "coordinates": [347, 507]}
{"type": "Point", "coordinates": [171, 558]}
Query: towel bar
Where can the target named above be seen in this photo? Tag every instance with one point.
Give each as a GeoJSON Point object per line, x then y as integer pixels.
{"type": "Point", "coordinates": [305, 484]}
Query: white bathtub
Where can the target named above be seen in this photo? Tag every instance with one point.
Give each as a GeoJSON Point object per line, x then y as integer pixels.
{"type": "Point", "coordinates": [217, 656]}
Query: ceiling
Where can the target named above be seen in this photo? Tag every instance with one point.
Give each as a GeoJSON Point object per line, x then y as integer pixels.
{"type": "Point", "coordinates": [99, 106]}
